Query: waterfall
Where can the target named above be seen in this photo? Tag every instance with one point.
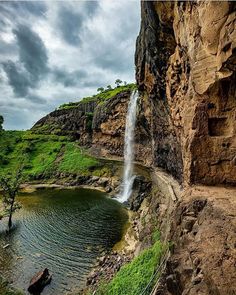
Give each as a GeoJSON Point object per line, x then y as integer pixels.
{"type": "Point", "coordinates": [128, 177]}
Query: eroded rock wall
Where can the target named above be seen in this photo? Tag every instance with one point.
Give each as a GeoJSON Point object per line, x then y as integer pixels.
{"type": "Point", "coordinates": [185, 68]}
{"type": "Point", "coordinates": [76, 122]}
{"type": "Point", "coordinates": [155, 44]}
{"type": "Point", "coordinates": [109, 125]}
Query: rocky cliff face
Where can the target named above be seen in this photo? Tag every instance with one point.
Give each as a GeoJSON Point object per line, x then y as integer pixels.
{"type": "Point", "coordinates": [109, 125]}
{"type": "Point", "coordinates": [98, 125]}
{"type": "Point", "coordinates": [76, 122]}
{"type": "Point", "coordinates": [186, 69]}
{"type": "Point", "coordinates": [186, 74]}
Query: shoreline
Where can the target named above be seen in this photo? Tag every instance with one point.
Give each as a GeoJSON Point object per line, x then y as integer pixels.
{"type": "Point", "coordinates": [31, 187]}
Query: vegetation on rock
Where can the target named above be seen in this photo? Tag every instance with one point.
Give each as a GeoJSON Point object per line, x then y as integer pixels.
{"type": "Point", "coordinates": [100, 97]}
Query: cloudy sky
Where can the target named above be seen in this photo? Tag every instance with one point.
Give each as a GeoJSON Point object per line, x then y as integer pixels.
{"type": "Point", "coordinates": [52, 52]}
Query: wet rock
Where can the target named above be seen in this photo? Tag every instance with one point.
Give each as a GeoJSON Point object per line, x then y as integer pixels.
{"type": "Point", "coordinates": [103, 181]}
{"type": "Point", "coordinates": [82, 179]}
{"type": "Point", "coordinates": [108, 189]}
{"type": "Point", "coordinates": [39, 281]}
{"type": "Point", "coordinates": [141, 189]}
{"type": "Point", "coordinates": [94, 178]}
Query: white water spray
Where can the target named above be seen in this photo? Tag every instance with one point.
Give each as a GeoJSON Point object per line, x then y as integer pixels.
{"type": "Point", "coordinates": [128, 177]}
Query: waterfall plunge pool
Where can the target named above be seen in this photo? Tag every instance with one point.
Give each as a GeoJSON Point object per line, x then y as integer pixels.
{"type": "Point", "coordinates": [64, 230]}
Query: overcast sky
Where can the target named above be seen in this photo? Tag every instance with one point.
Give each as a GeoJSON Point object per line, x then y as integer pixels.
{"type": "Point", "coordinates": [54, 52]}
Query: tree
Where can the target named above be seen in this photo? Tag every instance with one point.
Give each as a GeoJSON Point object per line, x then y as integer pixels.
{"type": "Point", "coordinates": [100, 89]}
{"type": "Point", "coordinates": [1, 122]}
{"type": "Point", "coordinates": [125, 83]}
{"type": "Point", "coordinates": [118, 82]}
{"type": "Point", "coordinates": [10, 185]}
{"type": "Point", "coordinates": [109, 87]}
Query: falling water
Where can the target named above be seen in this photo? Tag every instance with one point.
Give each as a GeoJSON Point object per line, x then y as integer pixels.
{"type": "Point", "coordinates": [128, 177]}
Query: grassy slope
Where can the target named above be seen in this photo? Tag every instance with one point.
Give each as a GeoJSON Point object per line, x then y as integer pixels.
{"type": "Point", "coordinates": [100, 97]}
{"type": "Point", "coordinates": [138, 276]}
{"type": "Point", "coordinates": [42, 155]}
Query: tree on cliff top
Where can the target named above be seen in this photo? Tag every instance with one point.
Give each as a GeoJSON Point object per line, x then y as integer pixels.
{"type": "Point", "coordinates": [1, 122]}
{"type": "Point", "coordinates": [100, 89]}
{"type": "Point", "coordinates": [118, 82]}
{"type": "Point", "coordinates": [10, 185]}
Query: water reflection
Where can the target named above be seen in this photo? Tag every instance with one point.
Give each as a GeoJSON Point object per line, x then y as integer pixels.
{"type": "Point", "coordinates": [63, 230]}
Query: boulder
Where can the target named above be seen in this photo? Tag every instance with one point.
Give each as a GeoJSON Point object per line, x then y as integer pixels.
{"type": "Point", "coordinates": [39, 281]}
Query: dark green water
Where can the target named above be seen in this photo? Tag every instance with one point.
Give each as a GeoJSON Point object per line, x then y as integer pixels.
{"type": "Point", "coordinates": [63, 230]}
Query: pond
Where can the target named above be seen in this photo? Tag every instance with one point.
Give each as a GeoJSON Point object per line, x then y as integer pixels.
{"type": "Point", "coordinates": [64, 230]}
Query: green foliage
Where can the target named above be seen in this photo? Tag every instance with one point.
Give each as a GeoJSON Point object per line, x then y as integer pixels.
{"type": "Point", "coordinates": [102, 172]}
{"type": "Point", "coordinates": [76, 160]}
{"type": "Point", "coordinates": [107, 94]}
{"type": "Point", "coordinates": [100, 97]}
{"type": "Point", "coordinates": [136, 277]}
{"type": "Point", "coordinates": [156, 236]}
{"type": "Point", "coordinates": [100, 89]}
{"type": "Point", "coordinates": [118, 82]}
{"type": "Point", "coordinates": [10, 185]}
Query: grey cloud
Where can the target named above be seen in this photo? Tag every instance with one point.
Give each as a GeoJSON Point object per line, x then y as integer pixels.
{"type": "Point", "coordinates": [70, 20]}
{"type": "Point", "coordinates": [10, 9]}
{"type": "Point", "coordinates": [114, 60]}
{"type": "Point", "coordinates": [7, 49]}
{"type": "Point", "coordinates": [90, 8]}
{"type": "Point", "coordinates": [2, 23]}
{"type": "Point", "coordinates": [70, 23]}
{"type": "Point", "coordinates": [32, 52]}
{"type": "Point", "coordinates": [36, 99]}
{"type": "Point", "coordinates": [69, 79]}
{"type": "Point", "coordinates": [16, 78]}
{"type": "Point", "coordinates": [32, 65]}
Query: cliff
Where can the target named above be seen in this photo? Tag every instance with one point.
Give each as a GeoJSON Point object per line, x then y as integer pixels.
{"type": "Point", "coordinates": [185, 68]}
{"type": "Point", "coordinates": [185, 71]}
{"type": "Point", "coordinates": [97, 122]}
